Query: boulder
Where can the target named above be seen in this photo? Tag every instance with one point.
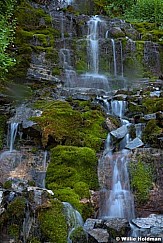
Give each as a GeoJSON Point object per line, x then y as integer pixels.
{"type": "Point", "coordinates": [134, 144]}
{"type": "Point", "coordinates": [98, 236]}
{"type": "Point", "coordinates": [120, 132]}
{"type": "Point", "coordinates": [116, 32]}
{"type": "Point", "coordinates": [150, 116]}
{"type": "Point", "coordinates": [151, 226]}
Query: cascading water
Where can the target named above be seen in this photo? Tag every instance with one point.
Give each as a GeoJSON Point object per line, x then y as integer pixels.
{"type": "Point", "coordinates": [114, 57]}
{"type": "Point", "coordinates": [13, 128]}
{"type": "Point", "coordinates": [73, 217]}
{"type": "Point", "coordinates": [93, 45]}
{"type": "Point", "coordinates": [118, 107]}
{"type": "Point", "coordinates": [93, 78]}
{"type": "Point", "coordinates": [116, 198]}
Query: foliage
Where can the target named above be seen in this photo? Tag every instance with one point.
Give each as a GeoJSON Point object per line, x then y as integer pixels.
{"type": "Point", "coordinates": [7, 29]}
{"type": "Point", "coordinates": [53, 223]}
{"type": "Point", "coordinates": [141, 180]}
{"type": "Point", "coordinates": [139, 10]}
{"type": "Point", "coordinates": [147, 10]}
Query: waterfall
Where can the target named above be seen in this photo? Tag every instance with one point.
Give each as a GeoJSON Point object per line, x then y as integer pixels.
{"type": "Point", "coordinates": [44, 160]}
{"type": "Point", "coordinates": [114, 57]}
{"type": "Point", "coordinates": [120, 202]}
{"type": "Point", "coordinates": [118, 107]}
{"type": "Point", "coordinates": [74, 219]}
{"type": "Point", "coordinates": [116, 198]}
{"type": "Point", "coordinates": [93, 79]}
{"type": "Point", "coordinates": [65, 3]}
{"type": "Point", "coordinates": [139, 129]}
{"type": "Point", "coordinates": [93, 46]}
{"type": "Point", "coordinates": [13, 128]}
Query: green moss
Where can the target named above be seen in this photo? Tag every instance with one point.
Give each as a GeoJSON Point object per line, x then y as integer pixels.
{"type": "Point", "coordinates": [15, 209]}
{"type": "Point", "coordinates": [78, 235]}
{"type": "Point", "coordinates": [141, 180]}
{"type": "Point", "coordinates": [82, 189]}
{"type": "Point", "coordinates": [79, 163]}
{"type": "Point", "coordinates": [149, 31]}
{"type": "Point", "coordinates": [68, 195]}
{"type": "Point", "coordinates": [153, 104]}
{"type": "Point", "coordinates": [71, 125]}
{"type": "Point", "coordinates": [7, 184]}
{"type": "Point", "coordinates": [53, 223]}
{"type": "Point", "coordinates": [151, 132]}
{"type": "Point", "coordinates": [71, 173]}
{"type": "Point", "coordinates": [33, 240]}
{"type": "Point", "coordinates": [13, 231]}
{"type": "Point", "coordinates": [34, 33]}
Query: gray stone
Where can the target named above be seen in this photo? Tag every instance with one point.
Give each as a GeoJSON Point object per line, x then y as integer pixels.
{"type": "Point", "coordinates": [120, 132]}
{"type": "Point", "coordinates": [152, 221]}
{"type": "Point", "coordinates": [100, 235]}
{"type": "Point", "coordinates": [150, 116]}
{"type": "Point", "coordinates": [134, 144]}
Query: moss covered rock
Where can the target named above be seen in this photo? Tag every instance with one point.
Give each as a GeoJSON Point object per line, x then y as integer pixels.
{"type": "Point", "coordinates": [78, 235]}
{"type": "Point", "coordinates": [141, 180]}
{"type": "Point", "coordinates": [71, 173]}
{"type": "Point", "coordinates": [151, 133]}
{"type": "Point", "coordinates": [53, 223]}
{"type": "Point", "coordinates": [61, 123]}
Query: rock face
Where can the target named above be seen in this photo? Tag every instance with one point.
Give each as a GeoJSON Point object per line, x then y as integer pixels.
{"type": "Point", "coordinates": [105, 230]}
{"type": "Point", "coordinates": [151, 226]}
{"type": "Point", "coordinates": [152, 158]}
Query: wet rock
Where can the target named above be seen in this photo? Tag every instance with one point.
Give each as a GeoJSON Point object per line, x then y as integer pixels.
{"type": "Point", "coordinates": [98, 236]}
{"type": "Point", "coordinates": [120, 132]}
{"type": "Point", "coordinates": [116, 32]}
{"type": "Point", "coordinates": [23, 113]}
{"type": "Point", "coordinates": [150, 116]}
{"type": "Point", "coordinates": [134, 144]}
{"type": "Point", "coordinates": [117, 227]}
{"type": "Point", "coordinates": [151, 226]}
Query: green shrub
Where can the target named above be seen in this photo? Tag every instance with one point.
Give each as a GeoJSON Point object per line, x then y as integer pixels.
{"type": "Point", "coordinates": [147, 10]}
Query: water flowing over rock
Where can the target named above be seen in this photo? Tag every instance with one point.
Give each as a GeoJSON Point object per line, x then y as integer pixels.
{"type": "Point", "coordinates": [74, 219]}
{"type": "Point", "coordinates": [116, 199]}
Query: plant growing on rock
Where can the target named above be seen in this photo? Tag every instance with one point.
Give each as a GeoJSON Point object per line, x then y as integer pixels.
{"type": "Point", "coordinates": [141, 180]}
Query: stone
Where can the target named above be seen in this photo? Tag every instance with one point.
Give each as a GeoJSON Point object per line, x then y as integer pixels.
{"type": "Point", "coordinates": [150, 116]}
{"type": "Point", "coordinates": [134, 144]}
{"type": "Point", "coordinates": [116, 224]}
{"type": "Point", "coordinates": [116, 32]}
{"type": "Point", "coordinates": [120, 132]}
{"type": "Point", "coordinates": [99, 236]}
